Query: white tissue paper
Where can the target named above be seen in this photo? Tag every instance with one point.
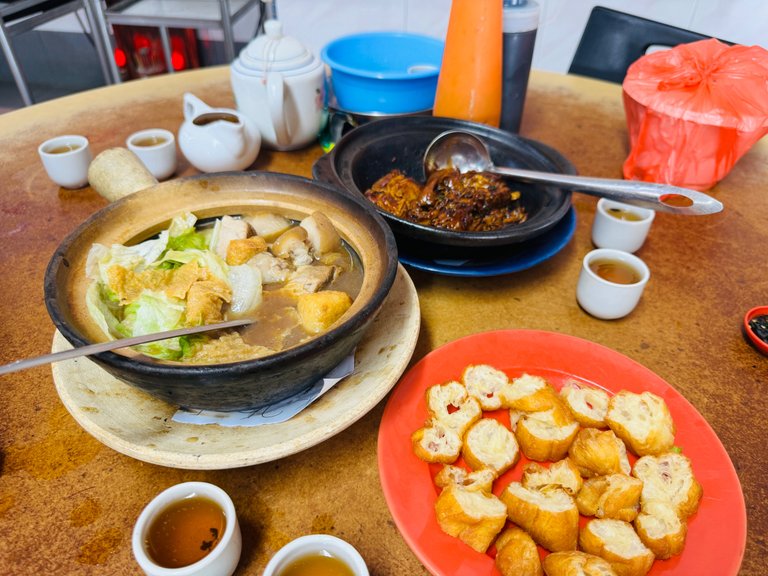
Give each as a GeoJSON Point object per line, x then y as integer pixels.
{"type": "Point", "coordinates": [272, 414]}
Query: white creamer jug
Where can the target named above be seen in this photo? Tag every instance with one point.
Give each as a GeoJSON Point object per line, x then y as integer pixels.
{"type": "Point", "coordinates": [217, 139]}
{"type": "Point", "coordinates": [280, 85]}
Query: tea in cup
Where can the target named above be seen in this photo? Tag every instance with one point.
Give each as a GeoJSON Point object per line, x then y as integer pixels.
{"type": "Point", "coordinates": [66, 160]}
{"type": "Point", "coordinates": [316, 552]}
{"type": "Point", "coordinates": [611, 283]}
{"type": "Point", "coordinates": [190, 529]}
{"type": "Point", "coordinates": [156, 148]}
{"type": "Point", "coordinates": [620, 226]}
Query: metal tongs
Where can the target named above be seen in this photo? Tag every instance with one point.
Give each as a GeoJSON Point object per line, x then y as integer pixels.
{"type": "Point", "coordinates": [115, 344]}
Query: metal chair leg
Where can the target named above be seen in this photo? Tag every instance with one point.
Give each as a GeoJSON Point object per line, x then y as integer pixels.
{"type": "Point", "coordinates": [226, 26]}
{"type": "Point", "coordinates": [102, 50]}
{"type": "Point", "coordinates": [102, 30]}
{"type": "Point", "coordinates": [165, 38]}
{"type": "Point", "coordinates": [18, 75]}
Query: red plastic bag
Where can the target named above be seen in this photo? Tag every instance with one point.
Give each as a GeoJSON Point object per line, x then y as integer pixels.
{"type": "Point", "coordinates": [693, 111]}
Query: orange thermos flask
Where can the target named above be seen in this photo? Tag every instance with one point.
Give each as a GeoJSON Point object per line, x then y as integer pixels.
{"type": "Point", "coordinates": [469, 84]}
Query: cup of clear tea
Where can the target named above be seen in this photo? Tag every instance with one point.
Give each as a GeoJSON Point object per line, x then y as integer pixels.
{"type": "Point", "coordinates": [620, 226]}
{"type": "Point", "coordinates": [611, 283]}
{"type": "Point", "coordinates": [316, 554]}
{"type": "Point", "coordinates": [190, 529]}
{"type": "Point", "coordinates": [156, 148]}
{"type": "Point", "coordinates": [66, 160]}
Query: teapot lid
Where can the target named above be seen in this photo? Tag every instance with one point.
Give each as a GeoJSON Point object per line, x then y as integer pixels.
{"type": "Point", "coordinates": [275, 51]}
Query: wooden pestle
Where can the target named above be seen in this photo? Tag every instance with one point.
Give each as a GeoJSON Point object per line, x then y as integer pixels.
{"type": "Point", "coordinates": [118, 172]}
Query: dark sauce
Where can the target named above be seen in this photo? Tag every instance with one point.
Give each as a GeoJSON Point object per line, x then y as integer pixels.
{"type": "Point", "coordinates": [759, 325]}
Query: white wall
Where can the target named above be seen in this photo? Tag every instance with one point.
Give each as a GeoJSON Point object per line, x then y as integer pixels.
{"type": "Point", "coordinates": [316, 22]}
{"type": "Point", "coordinates": [562, 21]}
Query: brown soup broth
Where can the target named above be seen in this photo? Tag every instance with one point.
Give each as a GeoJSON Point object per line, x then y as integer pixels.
{"type": "Point", "coordinates": [277, 325]}
{"type": "Point", "coordinates": [623, 214]}
{"type": "Point", "coordinates": [614, 271]}
{"type": "Point", "coordinates": [317, 565]}
{"type": "Point", "coordinates": [185, 532]}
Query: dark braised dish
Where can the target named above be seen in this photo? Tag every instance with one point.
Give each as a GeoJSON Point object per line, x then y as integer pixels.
{"type": "Point", "coordinates": [473, 201]}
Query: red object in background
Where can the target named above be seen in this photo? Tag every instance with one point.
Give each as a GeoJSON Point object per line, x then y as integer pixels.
{"type": "Point", "coordinates": [139, 51]}
{"type": "Point", "coordinates": [693, 111]}
{"type": "Point", "coordinates": [120, 58]}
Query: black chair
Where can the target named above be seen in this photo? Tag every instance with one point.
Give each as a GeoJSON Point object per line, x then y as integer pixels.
{"type": "Point", "coordinates": [613, 40]}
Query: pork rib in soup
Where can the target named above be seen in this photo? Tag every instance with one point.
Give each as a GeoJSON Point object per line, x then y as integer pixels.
{"type": "Point", "coordinates": [295, 279]}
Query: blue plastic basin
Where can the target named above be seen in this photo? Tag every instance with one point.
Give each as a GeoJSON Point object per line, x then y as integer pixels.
{"type": "Point", "coordinates": [384, 72]}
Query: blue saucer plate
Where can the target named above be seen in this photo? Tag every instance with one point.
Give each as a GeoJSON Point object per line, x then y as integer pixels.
{"type": "Point", "coordinates": [506, 260]}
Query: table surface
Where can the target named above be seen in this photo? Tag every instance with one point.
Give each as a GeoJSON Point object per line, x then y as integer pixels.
{"type": "Point", "coordinates": [68, 503]}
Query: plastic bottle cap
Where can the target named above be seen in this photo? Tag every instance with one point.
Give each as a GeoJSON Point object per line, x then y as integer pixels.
{"type": "Point", "coordinates": [521, 17]}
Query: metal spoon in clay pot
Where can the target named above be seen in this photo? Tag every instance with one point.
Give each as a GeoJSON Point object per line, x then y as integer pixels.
{"type": "Point", "coordinates": [466, 152]}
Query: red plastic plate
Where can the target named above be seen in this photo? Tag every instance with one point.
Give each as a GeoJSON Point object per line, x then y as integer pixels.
{"type": "Point", "coordinates": [716, 533]}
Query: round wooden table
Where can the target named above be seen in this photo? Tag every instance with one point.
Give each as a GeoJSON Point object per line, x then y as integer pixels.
{"type": "Point", "coordinates": [68, 503]}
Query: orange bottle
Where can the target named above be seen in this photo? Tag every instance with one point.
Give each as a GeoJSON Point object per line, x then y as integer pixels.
{"type": "Point", "coordinates": [469, 85]}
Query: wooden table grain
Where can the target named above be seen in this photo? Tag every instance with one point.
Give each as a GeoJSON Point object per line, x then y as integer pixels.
{"type": "Point", "coordinates": [68, 503]}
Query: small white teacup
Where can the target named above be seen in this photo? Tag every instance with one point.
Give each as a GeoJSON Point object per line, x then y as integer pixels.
{"type": "Point", "coordinates": [156, 148]}
{"type": "Point", "coordinates": [611, 283]}
{"type": "Point", "coordinates": [316, 545]}
{"type": "Point", "coordinates": [620, 226]}
{"type": "Point", "coordinates": [225, 553]}
{"type": "Point", "coordinates": [66, 160]}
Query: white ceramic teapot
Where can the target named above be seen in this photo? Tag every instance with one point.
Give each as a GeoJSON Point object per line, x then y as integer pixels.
{"type": "Point", "coordinates": [217, 139]}
{"type": "Point", "coordinates": [280, 84]}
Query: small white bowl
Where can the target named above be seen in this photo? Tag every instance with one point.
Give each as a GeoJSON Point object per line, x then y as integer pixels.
{"type": "Point", "coordinates": [316, 544]}
{"type": "Point", "coordinates": [222, 560]}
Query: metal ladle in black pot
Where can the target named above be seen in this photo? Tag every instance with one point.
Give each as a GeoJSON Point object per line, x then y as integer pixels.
{"type": "Point", "coordinates": [466, 152]}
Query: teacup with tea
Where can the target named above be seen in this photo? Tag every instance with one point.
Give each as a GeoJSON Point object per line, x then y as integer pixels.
{"type": "Point", "coordinates": [66, 160]}
{"type": "Point", "coordinates": [189, 529]}
{"type": "Point", "coordinates": [611, 283]}
{"type": "Point", "coordinates": [317, 554]}
{"type": "Point", "coordinates": [156, 148]}
{"type": "Point", "coordinates": [620, 226]}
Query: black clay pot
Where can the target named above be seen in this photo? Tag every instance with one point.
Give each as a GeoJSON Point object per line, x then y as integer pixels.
{"type": "Point", "coordinates": [237, 385]}
{"type": "Point", "coordinates": [370, 151]}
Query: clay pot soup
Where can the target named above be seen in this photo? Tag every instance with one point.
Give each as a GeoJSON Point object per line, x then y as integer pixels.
{"type": "Point", "coordinates": [235, 385]}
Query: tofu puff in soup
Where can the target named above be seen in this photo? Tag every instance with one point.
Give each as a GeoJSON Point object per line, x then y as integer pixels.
{"type": "Point", "coordinates": [296, 279]}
